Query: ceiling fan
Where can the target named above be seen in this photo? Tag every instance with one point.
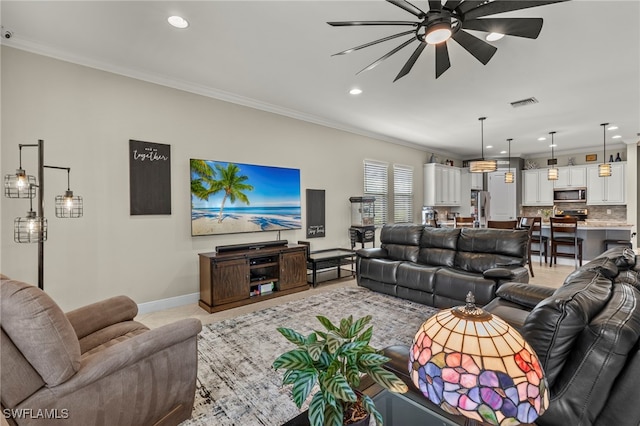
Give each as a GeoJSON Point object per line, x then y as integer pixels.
{"type": "Point", "coordinates": [450, 20]}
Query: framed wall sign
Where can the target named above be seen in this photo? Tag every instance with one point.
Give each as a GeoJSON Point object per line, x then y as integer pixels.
{"type": "Point", "coordinates": [315, 213]}
{"type": "Point", "coordinates": [149, 178]}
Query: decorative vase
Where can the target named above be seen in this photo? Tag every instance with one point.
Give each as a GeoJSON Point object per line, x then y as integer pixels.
{"type": "Point", "coordinates": [611, 158]}
{"type": "Point", "coordinates": [618, 157]}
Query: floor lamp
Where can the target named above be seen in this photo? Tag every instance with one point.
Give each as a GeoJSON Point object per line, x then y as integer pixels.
{"type": "Point", "coordinates": [33, 227]}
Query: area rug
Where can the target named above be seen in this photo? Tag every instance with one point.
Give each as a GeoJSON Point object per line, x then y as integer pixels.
{"type": "Point", "coordinates": [236, 384]}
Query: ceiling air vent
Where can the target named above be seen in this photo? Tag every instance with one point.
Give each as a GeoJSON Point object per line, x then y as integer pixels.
{"type": "Point", "coordinates": [524, 102]}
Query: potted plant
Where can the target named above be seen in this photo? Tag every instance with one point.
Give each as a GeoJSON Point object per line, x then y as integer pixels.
{"type": "Point", "coordinates": [335, 359]}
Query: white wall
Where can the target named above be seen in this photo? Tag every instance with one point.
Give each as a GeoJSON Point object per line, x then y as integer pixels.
{"type": "Point", "coordinates": [86, 118]}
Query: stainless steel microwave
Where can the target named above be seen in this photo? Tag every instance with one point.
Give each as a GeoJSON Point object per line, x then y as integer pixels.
{"type": "Point", "coordinates": [573, 195]}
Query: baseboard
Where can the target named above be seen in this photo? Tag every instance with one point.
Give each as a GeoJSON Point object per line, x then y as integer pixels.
{"type": "Point", "coordinates": [171, 302]}
{"type": "Point", "coordinates": [561, 261]}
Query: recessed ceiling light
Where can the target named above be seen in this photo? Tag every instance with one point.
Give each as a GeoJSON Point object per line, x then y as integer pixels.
{"type": "Point", "coordinates": [553, 145]}
{"type": "Point", "coordinates": [503, 152]}
{"type": "Point", "coordinates": [616, 137]}
{"type": "Point", "coordinates": [178, 21]}
{"type": "Point", "coordinates": [494, 36]}
{"type": "Point", "coordinates": [542, 138]}
{"type": "Point", "coordinates": [612, 128]}
{"type": "Point", "coordinates": [489, 146]}
{"type": "Point", "coordinates": [355, 91]}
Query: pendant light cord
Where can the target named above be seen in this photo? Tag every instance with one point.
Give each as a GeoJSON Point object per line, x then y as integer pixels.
{"type": "Point", "coordinates": [482, 135]}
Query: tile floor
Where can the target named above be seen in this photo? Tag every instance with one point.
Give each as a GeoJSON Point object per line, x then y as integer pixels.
{"type": "Point", "coordinates": [544, 275]}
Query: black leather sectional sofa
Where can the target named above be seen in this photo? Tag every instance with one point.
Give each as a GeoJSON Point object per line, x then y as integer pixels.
{"type": "Point", "coordinates": [587, 336]}
{"type": "Point", "coordinates": [439, 266]}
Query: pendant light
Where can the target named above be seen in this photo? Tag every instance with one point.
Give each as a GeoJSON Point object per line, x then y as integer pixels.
{"type": "Point", "coordinates": [508, 176]}
{"type": "Point", "coordinates": [604, 169]}
{"type": "Point", "coordinates": [552, 173]}
{"type": "Point", "coordinates": [482, 166]}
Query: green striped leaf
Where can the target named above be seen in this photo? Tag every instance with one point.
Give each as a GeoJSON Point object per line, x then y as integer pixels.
{"type": "Point", "coordinates": [290, 377]}
{"type": "Point", "coordinates": [333, 415]}
{"type": "Point", "coordinates": [339, 387]}
{"type": "Point", "coordinates": [333, 343]}
{"type": "Point", "coordinates": [352, 373]}
{"type": "Point", "coordinates": [297, 359]}
{"type": "Point", "coordinates": [315, 350]}
{"type": "Point", "coordinates": [292, 336]}
{"type": "Point", "coordinates": [302, 387]}
{"type": "Point", "coordinates": [359, 325]}
{"type": "Point", "coordinates": [370, 407]}
{"type": "Point", "coordinates": [371, 359]}
{"type": "Point", "coordinates": [326, 323]}
{"type": "Point", "coordinates": [345, 325]}
{"type": "Point", "coordinates": [386, 379]}
{"type": "Point", "coordinates": [367, 335]}
{"type": "Point", "coordinates": [316, 410]}
{"type": "Point", "coordinates": [352, 348]}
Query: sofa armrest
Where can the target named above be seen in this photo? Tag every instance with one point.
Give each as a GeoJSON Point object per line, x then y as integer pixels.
{"type": "Point", "coordinates": [128, 352]}
{"type": "Point", "coordinates": [372, 253]}
{"type": "Point", "coordinates": [96, 316]}
{"type": "Point", "coordinates": [499, 274]}
{"type": "Point", "coordinates": [527, 295]}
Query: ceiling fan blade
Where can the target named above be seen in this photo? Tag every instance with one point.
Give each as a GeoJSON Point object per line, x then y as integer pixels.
{"type": "Point", "coordinates": [500, 6]}
{"type": "Point", "coordinates": [396, 50]}
{"type": "Point", "coordinates": [391, 37]}
{"type": "Point", "coordinates": [519, 27]}
{"type": "Point", "coordinates": [403, 4]}
{"type": "Point", "coordinates": [452, 4]}
{"type": "Point", "coordinates": [412, 60]}
{"type": "Point", "coordinates": [467, 5]}
{"type": "Point", "coordinates": [435, 5]}
{"type": "Point", "coordinates": [442, 59]}
{"type": "Point", "coordinates": [482, 50]}
{"type": "Point", "coordinates": [356, 23]}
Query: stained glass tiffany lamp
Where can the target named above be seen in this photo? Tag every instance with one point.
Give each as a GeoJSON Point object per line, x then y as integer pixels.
{"type": "Point", "coordinates": [472, 363]}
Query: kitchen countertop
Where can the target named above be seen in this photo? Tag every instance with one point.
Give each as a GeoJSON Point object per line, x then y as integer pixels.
{"type": "Point", "coordinates": [588, 224]}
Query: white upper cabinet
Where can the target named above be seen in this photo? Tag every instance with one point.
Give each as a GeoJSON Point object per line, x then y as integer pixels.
{"type": "Point", "coordinates": [537, 190]}
{"type": "Point", "coordinates": [441, 185]}
{"type": "Point", "coordinates": [572, 177]}
{"type": "Point", "coordinates": [606, 190]}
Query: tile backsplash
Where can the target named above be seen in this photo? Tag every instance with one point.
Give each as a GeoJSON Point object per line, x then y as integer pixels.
{"type": "Point", "coordinates": [618, 213]}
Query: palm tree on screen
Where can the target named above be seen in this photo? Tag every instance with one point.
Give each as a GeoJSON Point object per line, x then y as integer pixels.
{"type": "Point", "coordinates": [202, 179]}
{"type": "Point", "coordinates": [233, 184]}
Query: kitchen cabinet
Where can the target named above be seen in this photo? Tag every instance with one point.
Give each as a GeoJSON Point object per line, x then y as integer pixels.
{"type": "Point", "coordinates": [537, 190]}
{"type": "Point", "coordinates": [441, 185]}
{"type": "Point", "coordinates": [571, 177]}
{"type": "Point", "coordinates": [477, 181]}
{"type": "Point", "coordinates": [606, 190]}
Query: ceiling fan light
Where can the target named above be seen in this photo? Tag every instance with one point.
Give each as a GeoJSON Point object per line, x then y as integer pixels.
{"type": "Point", "coordinates": [494, 36]}
{"type": "Point", "coordinates": [438, 33]}
{"type": "Point", "coordinates": [483, 166]}
{"type": "Point", "coordinates": [604, 170]}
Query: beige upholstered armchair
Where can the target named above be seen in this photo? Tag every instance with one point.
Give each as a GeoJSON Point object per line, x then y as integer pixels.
{"type": "Point", "coordinates": [92, 366]}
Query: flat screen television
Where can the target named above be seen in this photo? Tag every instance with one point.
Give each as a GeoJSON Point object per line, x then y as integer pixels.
{"type": "Point", "coordinates": [229, 198]}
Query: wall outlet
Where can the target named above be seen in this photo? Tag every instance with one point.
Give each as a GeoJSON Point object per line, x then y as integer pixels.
{"type": "Point", "coordinates": [608, 211]}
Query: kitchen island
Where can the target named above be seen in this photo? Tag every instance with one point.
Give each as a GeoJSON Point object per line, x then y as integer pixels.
{"type": "Point", "coordinates": [594, 233]}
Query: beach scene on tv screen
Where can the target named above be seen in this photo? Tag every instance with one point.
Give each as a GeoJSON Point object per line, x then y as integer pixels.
{"type": "Point", "coordinates": [230, 198]}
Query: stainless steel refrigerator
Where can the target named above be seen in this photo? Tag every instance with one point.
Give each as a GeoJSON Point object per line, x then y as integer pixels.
{"type": "Point", "coordinates": [480, 205]}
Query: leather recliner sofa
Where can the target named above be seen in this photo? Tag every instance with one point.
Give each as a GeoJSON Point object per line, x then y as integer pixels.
{"type": "Point", "coordinates": [439, 266]}
{"type": "Point", "coordinates": [587, 336]}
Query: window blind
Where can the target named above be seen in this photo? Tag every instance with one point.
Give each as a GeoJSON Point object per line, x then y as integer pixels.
{"type": "Point", "coordinates": [402, 193]}
{"type": "Point", "coordinates": [376, 184]}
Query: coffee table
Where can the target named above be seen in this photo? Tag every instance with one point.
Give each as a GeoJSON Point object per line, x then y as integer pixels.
{"type": "Point", "coordinates": [398, 409]}
{"type": "Point", "coordinates": [329, 258]}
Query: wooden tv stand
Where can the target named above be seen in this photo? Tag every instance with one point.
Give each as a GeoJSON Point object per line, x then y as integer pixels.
{"type": "Point", "coordinates": [237, 278]}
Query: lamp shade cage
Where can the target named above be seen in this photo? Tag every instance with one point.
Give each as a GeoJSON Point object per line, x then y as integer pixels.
{"type": "Point", "coordinates": [483, 166]}
{"type": "Point", "coordinates": [30, 229]}
{"type": "Point", "coordinates": [19, 185]}
{"type": "Point", "coordinates": [69, 205]}
{"type": "Point", "coordinates": [472, 363]}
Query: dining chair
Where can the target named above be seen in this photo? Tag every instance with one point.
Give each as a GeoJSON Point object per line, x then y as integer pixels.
{"type": "Point", "coordinates": [463, 222]}
{"type": "Point", "coordinates": [502, 224]}
{"type": "Point", "coordinates": [529, 223]}
{"type": "Point", "coordinates": [564, 233]}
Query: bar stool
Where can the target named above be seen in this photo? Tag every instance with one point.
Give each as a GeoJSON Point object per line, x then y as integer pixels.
{"type": "Point", "coordinates": [564, 233]}
{"type": "Point", "coordinates": [502, 224]}
{"type": "Point", "coordinates": [463, 222]}
{"type": "Point", "coordinates": [536, 237]}
{"type": "Point", "coordinates": [609, 243]}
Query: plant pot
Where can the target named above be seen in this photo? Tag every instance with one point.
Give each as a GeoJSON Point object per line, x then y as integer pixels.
{"type": "Point", "coordinates": [361, 422]}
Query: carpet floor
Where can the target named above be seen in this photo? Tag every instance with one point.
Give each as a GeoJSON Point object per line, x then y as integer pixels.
{"type": "Point", "coordinates": [236, 384]}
